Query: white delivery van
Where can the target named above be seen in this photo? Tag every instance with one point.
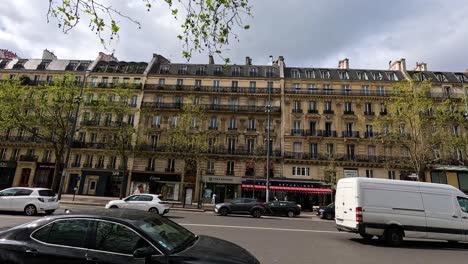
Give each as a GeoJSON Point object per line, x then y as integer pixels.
{"type": "Point", "coordinates": [392, 209]}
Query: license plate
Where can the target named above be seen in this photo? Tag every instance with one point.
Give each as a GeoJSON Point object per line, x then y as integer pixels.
{"type": "Point", "coordinates": [51, 200]}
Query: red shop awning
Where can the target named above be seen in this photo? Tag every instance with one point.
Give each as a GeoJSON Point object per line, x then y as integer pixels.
{"type": "Point", "coordinates": [289, 189]}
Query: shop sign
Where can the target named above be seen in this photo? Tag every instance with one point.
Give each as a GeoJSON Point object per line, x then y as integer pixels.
{"type": "Point", "coordinates": [222, 179]}
{"type": "Point", "coordinates": [350, 173]}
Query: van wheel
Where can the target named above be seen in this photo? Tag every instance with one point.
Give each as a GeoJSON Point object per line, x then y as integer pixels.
{"type": "Point", "coordinates": [367, 237]}
{"type": "Point", "coordinates": [329, 216]}
{"type": "Point", "coordinates": [394, 236]}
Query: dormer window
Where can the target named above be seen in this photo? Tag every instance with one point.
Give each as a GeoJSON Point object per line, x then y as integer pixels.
{"type": "Point", "coordinates": [270, 72]}
{"type": "Point", "coordinates": [392, 76]}
{"type": "Point", "coordinates": [295, 74]}
{"type": "Point", "coordinates": [343, 75]}
{"type": "Point", "coordinates": [253, 72]}
{"type": "Point", "coordinates": [200, 70]}
{"type": "Point", "coordinates": [420, 76]}
{"type": "Point", "coordinates": [71, 66]}
{"type": "Point", "coordinates": [460, 76]}
{"type": "Point", "coordinates": [310, 74]}
{"type": "Point", "coordinates": [3, 63]}
{"type": "Point", "coordinates": [183, 70]}
{"type": "Point", "coordinates": [441, 77]}
{"type": "Point", "coordinates": [43, 65]}
{"type": "Point", "coordinates": [83, 66]}
{"type": "Point", "coordinates": [164, 70]}
{"type": "Point", "coordinates": [19, 64]}
{"type": "Point", "coordinates": [377, 76]}
{"type": "Point", "coordinates": [325, 74]}
{"type": "Point", "coordinates": [362, 75]}
{"type": "Point", "coordinates": [235, 71]}
{"type": "Point", "coordinates": [218, 70]}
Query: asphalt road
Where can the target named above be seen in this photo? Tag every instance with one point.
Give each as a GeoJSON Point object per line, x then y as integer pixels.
{"type": "Point", "coordinates": [298, 240]}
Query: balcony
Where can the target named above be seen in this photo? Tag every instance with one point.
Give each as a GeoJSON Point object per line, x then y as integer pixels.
{"type": "Point", "coordinates": [212, 107]}
{"type": "Point", "coordinates": [169, 169]}
{"type": "Point", "coordinates": [297, 111]}
{"type": "Point", "coordinates": [110, 166]}
{"type": "Point", "coordinates": [212, 128]}
{"type": "Point", "coordinates": [249, 129]}
{"type": "Point", "coordinates": [99, 166]}
{"type": "Point", "coordinates": [152, 168]}
{"type": "Point", "coordinates": [75, 165]}
{"type": "Point", "coordinates": [348, 112]}
{"type": "Point", "coordinates": [114, 85]}
{"type": "Point", "coordinates": [297, 132]}
{"type": "Point", "coordinates": [312, 111]}
{"type": "Point", "coordinates": [219, 150]}
{"type": "Point", "coordinates": [382, 113]}
{"type": "Point", "coordinates": [90, 123]}
{"type": "Point", "coordinates": [329, 133]}
{"type": "Point", "coordinates": [210, 172]}
{"type": "Point", "coordinates": [304, 156]}
{"type": "Point", "coordinates": [328, 112]}
{"type": "Point", "coordinates": [31, 158]}
{"type": "Point", "coordinates": [369, 113]}
{"type": "Point", "coordinates": [232, 129]}
{"type": "Point", "coordinates": [313, 133]}
{"type": "Point", "coordinates": [336, 92]}
{"type": "Point", "coordinates": [229, 173]}
{"type": "Point", "coordinates": [211, 89]}
{"type": "Point", "coordinates": [350, 134]}
{"type": "Point", "coordinates": [157, 105]}
{"type": "Point", "coordinates": [370, 134]}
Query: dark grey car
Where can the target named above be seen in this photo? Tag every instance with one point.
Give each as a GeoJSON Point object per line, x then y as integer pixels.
{"type": "Point", "coordinates": [241, 206]}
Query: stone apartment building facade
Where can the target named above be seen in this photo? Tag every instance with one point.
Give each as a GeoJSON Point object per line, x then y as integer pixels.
{"type": "Point", "coordinates": [321, 127]}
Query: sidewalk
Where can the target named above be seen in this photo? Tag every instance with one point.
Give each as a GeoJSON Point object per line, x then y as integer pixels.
{"type": "Point", "coordinates": [102, 201]}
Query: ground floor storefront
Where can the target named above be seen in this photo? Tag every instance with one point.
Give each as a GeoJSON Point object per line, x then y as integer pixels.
{"type": "Point", "coordinates": [221, 188]}
{"type": "Point", "coordinates": [168, 185]}
{"type": "Point", "coordinates": [305, 193]}
{"type": "Point", "coordinates": [457, 176]}
{"type": "Point", "coordinates": [44, 175]}
{"type": "Point", "coordinates": [96, 182]}
{"type": "Point", "coordinates": [7, 173]}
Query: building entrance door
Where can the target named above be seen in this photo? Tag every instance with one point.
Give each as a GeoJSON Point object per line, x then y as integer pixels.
{"type": "Point", "coordinates": [91, 185]}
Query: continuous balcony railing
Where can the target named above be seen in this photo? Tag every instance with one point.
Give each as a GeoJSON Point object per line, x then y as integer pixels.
{"type": "Point", "coordinates": [312, 111]}
{"type": "Point", "coordinates": [328, 112]}
{"type": "Point", "coordinates": [335, 92]}
{"type": "Point", "coordinates": [339, 157]}
{"type": "Point", "coordinates": [212, 107]}
{"type": "Point", "coordinates": [28, 158]}
{"type": "Point", "coordinates": [211, 89]}
{"type": "Point", "coordinates": [220, 150]}
{"type": "Point", "coordinates": [350, 112]}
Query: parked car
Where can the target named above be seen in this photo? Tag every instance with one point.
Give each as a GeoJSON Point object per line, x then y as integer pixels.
{"type": "Point", "coordinates": [241, 206]}
{"type": "Point", "coordinates": [146, 202]}
{"type": "Point", "coordinates": [327, 212]}
{"type": "Point", "coordinates": [289, 209]}
{"type": "Point", "coordinates": [114, 236]}
{"type": "Point", "coordinates": [28, 200]}
{"type": "Point", "coordinates": [392, 210]}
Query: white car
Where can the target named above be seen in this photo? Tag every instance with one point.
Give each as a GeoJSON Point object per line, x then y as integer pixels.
{"type": "Point", "coordinates": [146, 202]}
{"type": "Point", "coordinates": [28, 200]}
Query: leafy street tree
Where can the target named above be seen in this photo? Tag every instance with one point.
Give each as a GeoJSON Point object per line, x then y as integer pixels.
{"type": "Point", "coordinates": [205, 24]}
{"type": "Point", "coordinates": [415, 125]}
{"type": "Point", "coordinates": [42, 113]}
{"type": "Point", "coordinates": [118, 127]}
{"type": "Point", "coordinates": [187, 139]}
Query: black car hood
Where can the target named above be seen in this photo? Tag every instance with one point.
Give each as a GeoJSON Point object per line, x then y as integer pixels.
{"type": "Point", "coordinates": [214, 250]}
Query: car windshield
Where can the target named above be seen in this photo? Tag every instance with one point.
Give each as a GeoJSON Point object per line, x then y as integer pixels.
{"type": "Point", "coordinates": [167, 234]}
{"type": "Point", "coordinates": [331, 205]}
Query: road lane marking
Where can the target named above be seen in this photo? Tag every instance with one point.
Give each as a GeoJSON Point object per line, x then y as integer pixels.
{"type": "Point", "coordinates": [263, 228]}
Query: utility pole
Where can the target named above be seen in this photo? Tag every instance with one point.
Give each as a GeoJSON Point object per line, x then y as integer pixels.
{"type": "Point", "coordinates": [77, 100]}
{"type": "Point", "coordinates": [268, 110]}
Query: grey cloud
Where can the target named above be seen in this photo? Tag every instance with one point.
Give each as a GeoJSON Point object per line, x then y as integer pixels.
{"type": "Point", "coordinates": [307, 33]}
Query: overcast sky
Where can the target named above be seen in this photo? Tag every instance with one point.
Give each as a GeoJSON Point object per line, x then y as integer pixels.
{"type": "Point", "coordinates": [307, 33]}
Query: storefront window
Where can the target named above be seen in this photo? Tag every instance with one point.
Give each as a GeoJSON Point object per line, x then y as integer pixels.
{"type": "Point", "coordinates": [463, 182]}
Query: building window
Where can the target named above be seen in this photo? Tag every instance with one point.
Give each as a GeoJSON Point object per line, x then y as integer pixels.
{"type": "Point", "coordinates": [325, 74]}
{"type": "Point", "coordinates": [251, 124]}
{"type": "Point", "coordinates": [15, 154]}
{"type": "Point", "coordinates": [439, 177]}
{"type": "Point", "coordinates": [131, 119]}
{"type": "Point", "coordinates": [252, 87]}
{"type": "Point", "coordinates": [250, 146]}
{"type": "Point", "coordinates": [370, 173]}
{"type": "Point", "coordinates": [362, 76]}
{"type": "Point", "coordinates": [300, 171]}
{"type": "Point", "coordinates": [391, 175]}
{"type": "Point", "coordinates": [200, 70]}
{"type": "Point", "coordinates": [310, 74]}
{"type": "Point", "coordinates": [365, 90]}
{"type": "Point", "coordinates": [295, 74]}
{"type": "Point", "coordinates": [210, 167]}
{"type": "Point", "coordinates": [253, 72]}
{"type": "Point", "coordinates": [369, 131]}
{"type": "Point", "coordinates": [330, 150]}
{"type": "Point", "coordinates": [235, 71]}
{"type": "Point", "coordinates": [313, 151]}
{"type": "Point", "coordinates": [327, 89]}
{"type": "Point", "coordinates": [297, 106]}
{"type": "Point", "coordinates": [350, 151]}
{"type": "Point", "coordinates": [328, 106]}
{"type": "Point", "coordinates": [154, 140]}
{"type": "Point", "coordinates": [297, 147]}
{"type": "Point", "coordinates": [151, 164]}
{"type": "Point", "coordinates": [231, 145]}
{"type": "Point", "coordinates": [77, 161]}
{"type": "Point", "coordinates": [218, 70]}
{"type": "Point", "coordinates": [381, 90]}
{"type": "Point", "coordinates": [174, 121]}
{"type": "Point", "coordinates": [230, 168]}
{"type": "Point", "coordinates": [214, 123]}
{"type": "Point", "coordinates": [343, 75]}
{"type": "Point", "coordinates": [346, 89]}
{"type": "Point", "coordinates": [312, 88]}
{"type": "Point", "coordinates": [368, 109]}
{"type": "Point", "coordinates": [234, 86]}
{"type": "Point", "coordinates": [3, 153]}
{"type": "Point", "coordinates": [392, 76]}
{"type": "Point", "coordinates": [156, 121]}
{"type": "Point", "coordinates": [297, 126]}
{"type": "Point", "coordinates": [112, 162]}
{"type": "Point", "coordinates": [194, 123]}
{"type": "Point", "coordinates": [371, 152]}
{"type": "Point", "coordinates": [232, 124]}
{"type": "Point", "coordinates": [170, 165]}
{"type": "Point", "coordinates": [456, 130]}
{"type": "Point", "coordinates": [211, 144]}
{"type": "Point", "coordinates": [348, 107]}
{"type": "Point", "coordinates": [270, 72]}
{"type": "Point", "coordinates": [183, 70]}
{"type": "Point", "coordinates": [312, 106]}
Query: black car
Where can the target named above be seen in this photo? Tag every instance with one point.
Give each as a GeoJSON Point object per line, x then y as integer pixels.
{"type": "Point", "coordinates": [113, 236]}
{"type": "Point", "coordinates": [290, 209]}
{"type": "Point", "coordinates": [241, 206]}
{"type": "Point", "coordinates": [327, 212]}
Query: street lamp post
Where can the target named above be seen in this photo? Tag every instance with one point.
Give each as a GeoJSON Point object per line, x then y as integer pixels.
{"type": "Point", "coordinates": [268, 110]}
{"type": "Point", "coordinates": [76, 100]}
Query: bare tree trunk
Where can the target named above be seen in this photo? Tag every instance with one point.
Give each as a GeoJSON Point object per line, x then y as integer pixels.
{"type": "Point", "coordinates": [123, 188]}
{"type": "Point", "coordinates": [57, 171]}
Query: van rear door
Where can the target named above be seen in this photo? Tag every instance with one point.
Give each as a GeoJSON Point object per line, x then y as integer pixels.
{"type": "Point", "coordinates": [345, 205]}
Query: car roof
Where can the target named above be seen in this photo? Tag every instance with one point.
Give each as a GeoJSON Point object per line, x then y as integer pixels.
{"type": "Point", "coordinates": [29, 188]}
{"type": "Point", "coordinates": [125, 215]}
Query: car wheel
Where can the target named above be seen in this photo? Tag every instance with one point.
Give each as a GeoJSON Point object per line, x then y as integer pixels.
{"type": "Point", "coordinates": [153, 210]}
{"type": "Point", "coordinates": [30, 210]}
{"type": "Point", "coordinates": [256, 213]}
{"type": "Point", "coordinates": [367, 237]}
{"type": "Point", "coordinates": [49, 212]}
{"type": "Point", "coordinates": [114, 207]}
{"type": "Point", "coordinates": [394, 236]}
{"type": "Point", "coordinates": [291, 214]}
{"type": "Point", "coordinates": [329, 216]}
{"type": "Point", "coordinates": [223, 211]}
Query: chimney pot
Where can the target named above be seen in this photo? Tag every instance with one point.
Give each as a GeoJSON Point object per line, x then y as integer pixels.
{"type": "Point", "coordinates": [210, 59]}
{"type": "Point", "coordinates": [248, 61]}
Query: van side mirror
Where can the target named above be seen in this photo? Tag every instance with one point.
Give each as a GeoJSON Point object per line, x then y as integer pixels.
{"type": "Point", "coordinates": [144, 252]}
